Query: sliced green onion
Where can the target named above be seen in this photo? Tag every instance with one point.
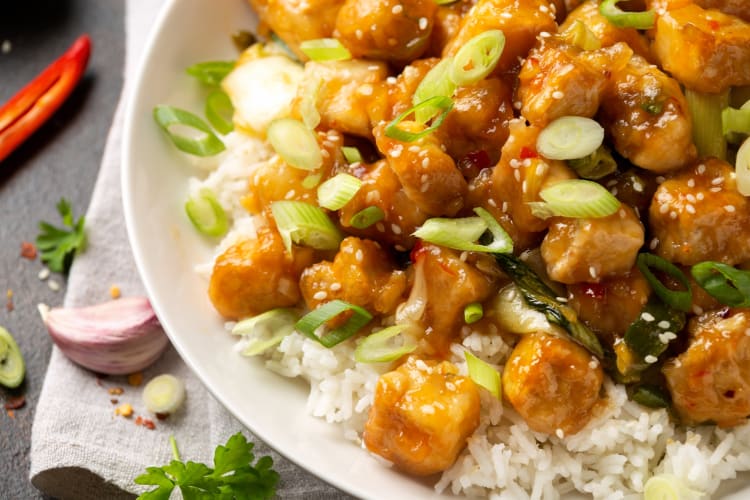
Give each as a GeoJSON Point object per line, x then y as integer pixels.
{"type": "Point", "coordinates": [598, 164]}
{"type": "Point", "coordinates": [727, 284]}
{"type": "Point", "coordinates": [311, 180]}
{"type": "Point", "coordinates": [305, 224]}
{"type": "Point", "coordinates": [651, 396]}
{"type": "Point", "coordinates": [445, 2]}
{"type": "Point", "coordinates": [618, 17]}
{"type": "Point", "coordinates": [367, 217]}
{"type": "Point", "coordinates": [219, 111]}
{"type": "Point", "coordinates": [437, 82]}
{"type": "Point", "coordinates": [581, 36]}
{"type": "Point", "coordinates": [443, 103]}
{"type": "Point", "coordinates": [308, 103]}
{"type": "Point", "coordinates": [351, 154]}
{"type": "Point", "coordinates": [473, 313]}
{"type": "Point", "coordinates": [12, 366]}
{"type": "Point", "coordinates": [461, 234]}
{"type": "Point", "coordinates": [578, 198]}
{"type": "Point", "coordinates": [206, 214]}
{"type": "Point", "coordinates": [164, 394]}
{"type": "Point", "coordinates": [265, 330]}
{"type": "Point", "coordinates": [735, 123]}
{"type": "Point", "coordinates": [204, 142]}
{"type": "Point", "coordinates": [338, 191]}
{"type": "Point", "coordinates": [538, 295]}
{"type": "Point", "coordinates": [742, 168]}
{"type": "Point", "coordinates": [211, 72]}
{"type": "Point", "coordinates": [384, 346]}
{"type": "Point", "coordinates": [679, 299]}
{"type": "Point", "coordinates": [295, 143]}
{"type": "Point", "coordinates": [484, 374]}
{"type": "Point", "coordinates": [312, 321]}
{"type": "Point", "coordinates": [570, 137]}
{"type": "Point", "coordinates": [705, 112]}
{"type": "Point", "coordinates": [648, 334]}
{"type": "Point", "coordinates": [478, 57]}
{"type": "Point", "coordinates": [325, 49]}
{"type": "Point", "coordinates": [669, 487]}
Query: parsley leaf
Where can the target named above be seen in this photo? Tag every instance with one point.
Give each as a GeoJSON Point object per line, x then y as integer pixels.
{"type": "Point", "coordinates": [233, 477]}
{"type": "Point", "coordinates": [58, 246]}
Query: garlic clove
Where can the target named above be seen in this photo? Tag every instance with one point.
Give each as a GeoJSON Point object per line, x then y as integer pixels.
{"type": "Point", "coordinates": [116, 338]}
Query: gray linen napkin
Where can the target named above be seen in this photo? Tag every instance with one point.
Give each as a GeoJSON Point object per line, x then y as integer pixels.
{"type": "Point", "coordinates": [79, 448]}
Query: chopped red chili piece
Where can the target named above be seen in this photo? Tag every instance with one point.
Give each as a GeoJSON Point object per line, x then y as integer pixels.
{"type": "Point", "coordinates": [15, 403]}
{"type": "Point", "coordinates": [527, 152]}
{"type": "Point", "coordinates": [713, 24]}
{"type": "Point", "coordinates": [28, 250]}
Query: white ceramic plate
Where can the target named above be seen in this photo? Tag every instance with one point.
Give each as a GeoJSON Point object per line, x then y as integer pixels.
{"type": "Point", "coordinates": [167, 248]}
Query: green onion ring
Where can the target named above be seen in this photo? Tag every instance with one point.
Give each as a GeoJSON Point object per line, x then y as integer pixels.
{"type": "Point", "coordinates": [367, 217]}
{"type": "Point", "coordinates": [679, 299]}
{"type": "Point", "coordinates": [206, 214]}
{"type": "Point", "coordinates": [443, 103]}
{"type": "Point", "coordinates": [382, 346]}
{"type": "Point", "coordinates": [727, 284]}
{"type": "Point", "coordinates": [219, 111]}
{"type": "Point", "coordinates": [313, 320]}
{"type": "Point", "coordinates": [206, 144]}
{"type": "Point", "coordinates": [618, 17]}
{"type": "Point", "coordinates": [481, 53]}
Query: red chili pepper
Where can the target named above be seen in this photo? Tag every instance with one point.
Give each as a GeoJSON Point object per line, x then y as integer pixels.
{"type": "Point", "coordinates": [26, 111]}
{"type": "Point", "coordinates": [527, 152]}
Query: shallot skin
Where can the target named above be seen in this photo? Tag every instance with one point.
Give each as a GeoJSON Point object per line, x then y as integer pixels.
{"type": "Point", "coordinates": [118, 337]}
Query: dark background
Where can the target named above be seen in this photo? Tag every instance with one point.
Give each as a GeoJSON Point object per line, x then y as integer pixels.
{"type": "Point", "coordinates": [59, 160]}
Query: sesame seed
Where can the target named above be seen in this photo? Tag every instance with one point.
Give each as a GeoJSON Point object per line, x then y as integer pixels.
{"type": "Point", "coordinates": [423, 23]}
{"type": "Point", "coordinates": [289, 194]}
{"type": "Point", "coordinates": [359, 256]}
{"type": "Point", "coordinates": [592, 271]}
{"type": "Point", "coordinates": [526, 162]}
{"type": "Point", "coordinates": [638, 187]}
{"type": "Point", "coordinates": [650, 359]}
{"type": "Point", "coordinates": [613, 191]}
{"type": "Point", "coordinates": [557, 95]}
{"type": "Point", "coordinates": [690, 198]}
{"type": "Point", "coordinates": [717, 181]}
{"type": "Point", "coordinates": [380, 227]}
{"type": "Point", "coordinates": [6, 47]}
{"type": "Point", "coordinates": [425, 162]}
{"type": "Point", "coordinates": [523, 185]}
{"type": "Point", "coordinates": [701, 169]}
{"type": "Point", "coordinates": [540, 168]}
{"type": "Point", "coordinates": [663, 324]}
{"type": "Point", "coordinates": [396, 229]}
{"type": "Point", "coordinates": [543, 8]}
{"type": "Point", "coordinates": [593, 363]}
{"type": "Point", "coordinates": [715, 189]}
{"type": "Point", "coordinates": [672, 214]}
{"type": "Point", "coordinates": [700, 196]}
{"type": "Point", "coordinates": [321, 295]}
{"type": "Point", "coordinates": [647, 317]}
{"type": "Point", "coordinates": [43, 274]}
{"type": "Point", "coordinates": [395, 153]}
{"type": "Point", "coordinates": [514, 163]}
{"type": "Point", "coordinates": [697, 310]}
{"type": "Point", "coordinates": [690, 208]}
{"type": "Point", "coordinates": [399, 248]}
{"type": "Point", "coordinates": [397, 9]}
{"type": "Point", "coordinates": [414, 149]}
{"type": "Point", "coordinates": [660, 179]}
{"type": "Point", "coordinates": [365, 89]}
{"type": "Point", "coordinates": [559, 433]}
{"type": "Point", "coordinates": [517, 175]}
{"type": "Point", "coordinates": [517, 104]}
{"type": "Point", "coordinates": [691, 182]}
{"type": "Point", "coordinates": [335, 287]}
{"type": "Point", "coordinates": [504, 208]}
{"type": "Point", "coordinates": [654, 243]}
{"type": "Point", "coordinates": [506, 15]}
{"type": "Point", "coordinates": [544, 34]}
{"type": "Point", "coordinates": [663, 208]}
{"type": "Point", "coordinates": [53, 285]}
{"type": "Point", "coordinates": [729, 208]}
{"type": "Point", "coordinates": [391, 80]}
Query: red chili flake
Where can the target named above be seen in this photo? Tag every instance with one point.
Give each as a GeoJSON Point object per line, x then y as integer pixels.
{"type": "Point", "coordinates": [162, 416]}
{"type": "Point", "coordinates": [28, 250]}
{"type": "Point", "coordinates": [533, 60]}
{"type": "Point", "coordinates": [527, 152]}
{"type": "Point", "coordinates": [594, 290]}
{"type": "Point", "coordinates": [417, 252]}
{"type": "Point", "coordinates": [149, 424]}
{"type": "Point", "coordinates": [139, 420]}
{"type": "Point", "coordinates": [114, 401]}
{"type": "Point", "coordinates": [15, 403]}
{"type": "Point", "coordinates": [115, 391]}
{"type": "Point", "coordinates": [713, 24]}
{"type": "Point", "coordinates": [9, 306]}
{"type": "Point", "coordinates": [11, 413]}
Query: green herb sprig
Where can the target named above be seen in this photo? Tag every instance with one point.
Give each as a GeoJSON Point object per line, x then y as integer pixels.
{"type": "Point", "coordinates": [59, 245]}
{"type": "Point", "coordinates": [234, 477]}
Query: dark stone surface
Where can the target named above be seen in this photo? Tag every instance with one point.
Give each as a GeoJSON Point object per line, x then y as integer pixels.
{"type": "Point", "coordinates": [60, 160]}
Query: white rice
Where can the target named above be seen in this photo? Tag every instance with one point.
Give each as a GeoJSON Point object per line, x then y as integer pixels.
{"type": "Point", "coordinates": [611, 458]}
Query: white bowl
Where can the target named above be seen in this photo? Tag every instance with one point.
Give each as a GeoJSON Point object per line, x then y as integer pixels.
{"type": "Point", "coordinates": [167, 248]}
